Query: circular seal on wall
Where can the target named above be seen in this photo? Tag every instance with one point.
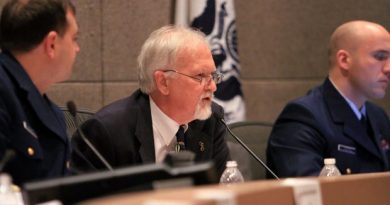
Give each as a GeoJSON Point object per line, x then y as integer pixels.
{"type": "Point", "coordinates": [231, 40]}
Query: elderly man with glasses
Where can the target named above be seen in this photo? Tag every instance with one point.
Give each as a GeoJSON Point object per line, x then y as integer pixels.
{"type": "Point", "coordinates": [172, 110]}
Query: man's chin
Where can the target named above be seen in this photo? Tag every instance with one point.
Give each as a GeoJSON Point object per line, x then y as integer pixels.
{"type": "Point", "coordinates": [378, 94]}
{"type": "Point", "coordinates": [203, 113]}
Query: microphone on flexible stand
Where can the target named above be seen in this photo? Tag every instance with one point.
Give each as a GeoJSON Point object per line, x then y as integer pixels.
{"type": "Point", "coordinates": [73, 111]}
{"type": "Point", "coordinates": [8, 155]}
{"type": "Point", "coordinates": [249, 150]}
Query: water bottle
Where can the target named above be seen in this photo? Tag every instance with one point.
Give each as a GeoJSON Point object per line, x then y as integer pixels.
{"type": "Point", "coordinates": [8, 196]}
{"type": "Point", "coordinates": [231, 174]}
{"type": "Point", "coordinates": [330, 168]}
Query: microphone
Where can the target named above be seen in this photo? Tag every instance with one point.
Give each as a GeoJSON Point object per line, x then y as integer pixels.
{"type": "Point", "coordinates": [73, 111]}
{"type": "Point", "coordinates": [180, 159]}
{"type": "Point", "coordinates": [249, 150]}
{"type": "Point", "coordinates": [8, 155]}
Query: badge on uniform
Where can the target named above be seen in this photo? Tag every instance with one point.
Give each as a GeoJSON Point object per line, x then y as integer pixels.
{"type": "Point", "coordinates": [346, 149]}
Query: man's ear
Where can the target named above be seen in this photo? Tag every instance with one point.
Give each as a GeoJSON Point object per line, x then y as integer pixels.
{"type": "Point", "coordinates": [343, 58]}
{"type": "Point", "coordinates": [49, 43]}
{"type": "Point", "coordinates": [161, 82]}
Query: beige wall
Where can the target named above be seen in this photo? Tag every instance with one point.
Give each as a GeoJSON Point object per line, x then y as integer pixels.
{"type": "Point", "coordinates": [111, 35]}
{"type": "Point", "coordinates": [282, 45]}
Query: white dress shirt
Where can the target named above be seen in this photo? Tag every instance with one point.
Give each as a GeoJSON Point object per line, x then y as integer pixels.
{"type": "Point", "coordinates": [164, 131]}
{"type": "Point", "coordinates": [358, 112]}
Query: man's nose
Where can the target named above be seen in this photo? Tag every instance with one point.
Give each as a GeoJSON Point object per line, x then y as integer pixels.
{"type": "Point", "coordinates": [211, 85]}
{"type": "Point", "coordinates": [386, 68]}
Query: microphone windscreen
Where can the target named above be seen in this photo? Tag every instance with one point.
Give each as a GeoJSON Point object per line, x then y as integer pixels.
{"type": "Point", "coordinates": [180, 159]}
{"type": "Point", "coordinates": [71, 108]}
{"type": "Point", "coordinates": [9, 154]}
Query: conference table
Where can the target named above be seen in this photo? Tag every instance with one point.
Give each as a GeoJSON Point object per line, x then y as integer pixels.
{"type": "Point", "coordinates": [357, 189]}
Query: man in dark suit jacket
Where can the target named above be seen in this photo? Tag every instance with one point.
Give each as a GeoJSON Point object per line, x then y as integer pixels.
{"type": "Point", "coordinates": [36, 52]}
{"type": "Point", "coordinates": [328, 121]}
{"type": "Point", "coordinates": [177, 79]}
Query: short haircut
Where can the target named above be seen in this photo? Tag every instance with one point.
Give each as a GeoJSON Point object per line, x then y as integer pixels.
{"type": "Point", "coordinates": [25, 23]}
{"type": "Point", "coordinates": [160, 51]}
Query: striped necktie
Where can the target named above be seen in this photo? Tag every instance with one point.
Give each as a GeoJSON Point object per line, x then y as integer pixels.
{"type": "Point", "coordinates": [180, 145]}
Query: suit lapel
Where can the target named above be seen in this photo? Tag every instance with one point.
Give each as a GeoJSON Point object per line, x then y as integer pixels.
{"type": "Point", "coordinates": [144, 130]}
{"type": "Point", "coordinates": [198, 142]}
{"type": "Point", "coordinates": [378, 135]}
{"type": "Point", "coordinates": [343, 115]}
{"type": "Point", "coordinates": [42, 107]}
{"type": "Point", "coordinates": [47, 114]}
{"type": "Point", "coordinates": [355, 132]}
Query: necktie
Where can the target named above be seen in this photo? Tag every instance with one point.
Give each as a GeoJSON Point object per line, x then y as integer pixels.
{"type": "Point", "coordinates": [363, 122]}
{"type": "Point", "coordinates": [180, 145]}
{"type": "Point", "coordinates": [366, 127]}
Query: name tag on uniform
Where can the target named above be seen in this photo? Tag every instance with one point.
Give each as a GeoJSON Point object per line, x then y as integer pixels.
{"type": "Point", "coordinates": [346, 149]}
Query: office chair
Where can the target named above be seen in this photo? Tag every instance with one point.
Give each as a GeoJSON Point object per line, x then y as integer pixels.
{"type": "Point", "coordinates": [82, 115]}
{"type": "Point", "coordinates": [255, 135]}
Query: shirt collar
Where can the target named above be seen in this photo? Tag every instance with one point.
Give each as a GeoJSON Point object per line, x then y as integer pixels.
{"type": "Point", "coordinates": [358, 112]}
{"type": "Point", "coordinates": [163, 124]}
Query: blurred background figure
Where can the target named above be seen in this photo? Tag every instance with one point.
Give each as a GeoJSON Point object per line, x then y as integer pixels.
{"type": "Point", "coordinates": [38, 42]}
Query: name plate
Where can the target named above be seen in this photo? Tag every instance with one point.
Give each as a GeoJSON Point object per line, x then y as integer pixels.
{"type": "Point", "coordinates": [306, 191]}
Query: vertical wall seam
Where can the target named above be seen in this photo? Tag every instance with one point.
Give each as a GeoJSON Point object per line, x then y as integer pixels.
{"type": "Point", "coordinates": [102, 54]}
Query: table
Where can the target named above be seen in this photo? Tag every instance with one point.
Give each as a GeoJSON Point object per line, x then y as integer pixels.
{"type": "Point", "coordinates": [358, 189]}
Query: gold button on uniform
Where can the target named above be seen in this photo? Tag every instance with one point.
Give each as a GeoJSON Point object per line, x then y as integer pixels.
{"type": "Point", "coordinates": [30, 151]}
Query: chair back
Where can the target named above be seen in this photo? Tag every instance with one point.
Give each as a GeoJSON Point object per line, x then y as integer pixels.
{"type": "Point", "coordinates": [255, 135]}
{"type": "Point", "coordinates": [82, 115]}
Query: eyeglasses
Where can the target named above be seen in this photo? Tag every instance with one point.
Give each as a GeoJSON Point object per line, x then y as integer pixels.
{"type": "Point", "coordinates": [201, 78]}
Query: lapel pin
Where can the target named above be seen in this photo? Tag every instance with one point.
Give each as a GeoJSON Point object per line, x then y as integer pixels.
{"type": "Point", "coordinates": [385, 144]}
{"type": "Point", "coordinates": [201, 146]}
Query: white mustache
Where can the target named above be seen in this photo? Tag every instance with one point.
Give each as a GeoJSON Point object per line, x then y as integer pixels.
{"type": "Point", "coordinates": [207, 95]}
